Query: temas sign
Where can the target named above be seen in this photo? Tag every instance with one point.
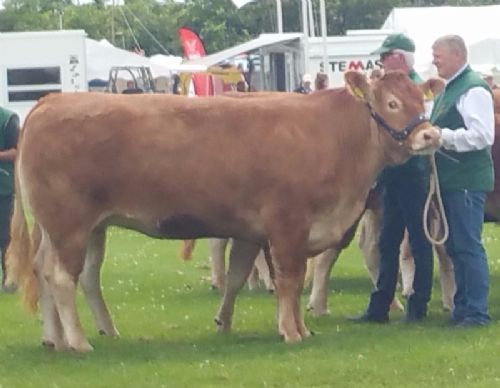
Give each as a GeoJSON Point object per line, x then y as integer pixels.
{"type": "Point", "coordinates": [354, 64]}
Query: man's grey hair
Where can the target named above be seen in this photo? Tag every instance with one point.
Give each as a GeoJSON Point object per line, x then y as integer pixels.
{"type": "Point", "coordinates": [454, 43]}
{"type": "Point", "coordinates": [408, 57]}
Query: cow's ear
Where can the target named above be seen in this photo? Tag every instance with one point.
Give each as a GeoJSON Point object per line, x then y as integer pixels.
{"type": "Point", "coordinates": [431, 88]}
{"type": "Point", "coordinates": [358, 85]}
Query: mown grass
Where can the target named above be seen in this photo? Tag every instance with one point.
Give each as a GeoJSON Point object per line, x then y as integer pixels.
{"type": "Point", "coordinates": [163, 308]}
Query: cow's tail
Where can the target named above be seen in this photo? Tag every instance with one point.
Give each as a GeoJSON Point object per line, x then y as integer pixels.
{"type": "Point", "coordinates": [187, 249]}
{"type": "Point", "coordinates": [19, 259]}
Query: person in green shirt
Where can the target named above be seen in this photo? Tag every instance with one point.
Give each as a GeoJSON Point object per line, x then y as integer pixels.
{"type": "Point", "coordinates": [464, 112]}
{"type": "Point", "coordinates": [9, 132]}
{"type": "Point", "coordinates": [404, 193]}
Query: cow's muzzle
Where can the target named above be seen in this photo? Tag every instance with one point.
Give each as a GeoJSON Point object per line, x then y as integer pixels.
{"type": "Point", "coordinates": [426, 141]}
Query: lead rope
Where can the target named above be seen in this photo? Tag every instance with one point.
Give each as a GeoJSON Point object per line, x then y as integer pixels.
{"type": "Point", "coordinates": [438, 206]}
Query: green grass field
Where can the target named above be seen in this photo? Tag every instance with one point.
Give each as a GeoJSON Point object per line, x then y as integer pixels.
{"type": "Point", "coordinates": [164, 310]}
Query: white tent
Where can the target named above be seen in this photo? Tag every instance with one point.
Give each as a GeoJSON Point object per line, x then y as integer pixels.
{"type": "Point", "coordinates": [479, 26]}
{"type": "Point", "coordinates": [175, 64]}
{"type": "Point", "coordinates": [101, 56]}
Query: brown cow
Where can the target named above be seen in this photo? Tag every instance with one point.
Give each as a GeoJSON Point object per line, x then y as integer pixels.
{"type": "Point", "coordinates": [295, 171]}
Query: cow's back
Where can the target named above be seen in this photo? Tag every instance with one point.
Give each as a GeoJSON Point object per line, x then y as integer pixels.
{"type": "Point", "coordinates": [153, 157]}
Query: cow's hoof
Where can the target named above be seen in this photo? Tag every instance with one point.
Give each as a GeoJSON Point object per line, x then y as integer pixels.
{"type": "Point", "coordinates": [317, 312]}
{"type": "Point", "coordinates": [291, 339]}
{"type": "Point", "coordinates": [217, 288]}
{"type": "Point", "coordinates": [84, 347]}
{"type": "Point", "coordinates": [48, 345]}
{"type": "Point", "coordinates": [109, 333]}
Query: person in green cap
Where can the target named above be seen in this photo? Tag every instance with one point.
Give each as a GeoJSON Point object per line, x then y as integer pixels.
{"type": "Point", "coordinates": [464, 112]}
{"type": "Point", "coordinates": [404, 191]}
{"type": "Point", "coordinates": [9, 132]}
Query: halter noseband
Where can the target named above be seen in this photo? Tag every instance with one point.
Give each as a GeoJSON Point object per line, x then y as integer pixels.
{"type": "Point", "coordinates": [402, 135]}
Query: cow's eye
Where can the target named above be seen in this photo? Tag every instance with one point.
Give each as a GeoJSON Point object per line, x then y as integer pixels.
{"type": "Point", "coordinates": [393, 104]}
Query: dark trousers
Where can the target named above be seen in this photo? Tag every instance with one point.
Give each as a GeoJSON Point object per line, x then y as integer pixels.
{"type": "Point", "coordinates": [6, 202]}
{"type": "Point", "coordinates": [403, 208]}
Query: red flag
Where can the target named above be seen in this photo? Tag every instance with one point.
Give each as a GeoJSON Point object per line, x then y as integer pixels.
{"type": "Point", "coordinates": [193, 48]}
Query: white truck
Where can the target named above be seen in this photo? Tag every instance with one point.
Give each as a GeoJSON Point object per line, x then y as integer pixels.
{"type": "Point", "coordinates": [33, 64]}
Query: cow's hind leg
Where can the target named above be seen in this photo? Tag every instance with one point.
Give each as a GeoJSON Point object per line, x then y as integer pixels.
{"type": "Point", "coordinates": [217, 248]}
{"type": "Point", "coordinates": [407, 267]}
{"type": "Point", "coordinates": [264, 272]}
{"type": "Point", "coordinates": [91, 283]}
{"type": "Point", "coordinates": [447, 277]}
{"type": "Point", "coordinates": [52, 331]}
{"type": "Point", "coordinates": [241, 261]}
{"type": "Point", "coordinates": [323, 264]}
{"type": "Point", "coordinates": [68, 265]}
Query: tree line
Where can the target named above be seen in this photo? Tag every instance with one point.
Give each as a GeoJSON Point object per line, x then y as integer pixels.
{"type": "Point", "coordinates": [153, 25]}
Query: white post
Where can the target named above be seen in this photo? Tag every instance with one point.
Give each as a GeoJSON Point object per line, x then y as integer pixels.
{"type": "Point", "coordinates": [323, 36]}
{"type": "Point", "coordinates": [306, 36]}
{"type": "Point", "coordinates": [311, 18]}
{"type": "Point", "coordinates": [279, 16]}
{"type": "Point", "coordinates": [113, 22]}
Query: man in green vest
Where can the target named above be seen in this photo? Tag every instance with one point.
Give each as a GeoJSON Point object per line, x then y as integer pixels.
{"type": "Point", "coordinates": [464, 111]}
{"type": "Point", "coordinates": [9, 132]}
{"type": "Point", "coordinates": [404, 192]}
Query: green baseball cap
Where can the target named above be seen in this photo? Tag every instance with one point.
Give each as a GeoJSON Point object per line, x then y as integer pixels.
{"type": "Point", "coordinates": [396, 42]}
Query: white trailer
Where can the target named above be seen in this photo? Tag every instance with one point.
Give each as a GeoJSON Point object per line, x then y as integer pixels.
{"type": "Point", "coordinates": [349, 52]}
{"type": "Point", "coordinates": [34, 64]}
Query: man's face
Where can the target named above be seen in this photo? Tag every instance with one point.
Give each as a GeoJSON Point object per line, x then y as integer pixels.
{"type": "Point", "coordinates": [447, 61]}
{"type": "Point", "coordinates": [392, 61]}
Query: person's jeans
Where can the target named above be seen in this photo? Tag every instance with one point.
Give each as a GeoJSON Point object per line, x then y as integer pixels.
{"type": "Point", "coordinates": [465, 213]}
{"type": "Point", "coordinates": [403, 208]}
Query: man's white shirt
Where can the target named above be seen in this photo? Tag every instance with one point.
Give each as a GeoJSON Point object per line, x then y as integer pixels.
{"type": "Point", "coordinates": [476, 108]}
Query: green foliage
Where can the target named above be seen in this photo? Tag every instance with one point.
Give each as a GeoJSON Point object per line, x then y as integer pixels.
{"type": "Point", "coordinates": [218, 22]}
{"type": "Point", "coordinates": [163, 308]}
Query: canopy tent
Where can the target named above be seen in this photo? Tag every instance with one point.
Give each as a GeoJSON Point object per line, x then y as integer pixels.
{"type": "Point", "coordinates": [175, 64]}
{"type": "Point", "coordinates": [102, 56]}
{"type": "Point", "coordinates": [280, 60]}
{"type": "Point", "coordinates": [263, 41]}
{"type": "Point", "coordinates": [479, 26]}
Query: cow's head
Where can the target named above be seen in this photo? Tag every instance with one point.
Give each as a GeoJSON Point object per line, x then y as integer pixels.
{"type": "Point", "coordinates": [397, 106]}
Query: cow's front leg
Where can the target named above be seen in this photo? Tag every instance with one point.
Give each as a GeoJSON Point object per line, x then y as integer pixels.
{"type": "Point", "coordinates": [289, 261]}
{"type": "Point", "coordinates": [241, 261]}
{"type": "Point", "coordinates": [289, 282]}
{"type": "Point", "coordinates": [323, 264]}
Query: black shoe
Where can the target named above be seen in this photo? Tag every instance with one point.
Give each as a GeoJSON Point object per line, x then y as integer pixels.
{"type": "Point", "coordinates": [368, 318]}
{"type": "Point", "coordinates": [413, 318]}
{"type": "Point", "coordinates": [453, 321]}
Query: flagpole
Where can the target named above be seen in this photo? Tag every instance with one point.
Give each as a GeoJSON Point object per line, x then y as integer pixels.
{"type": "Point", "coordinates": [324, 34]}
{"type": "Point", "coordinates": [279, 16]}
